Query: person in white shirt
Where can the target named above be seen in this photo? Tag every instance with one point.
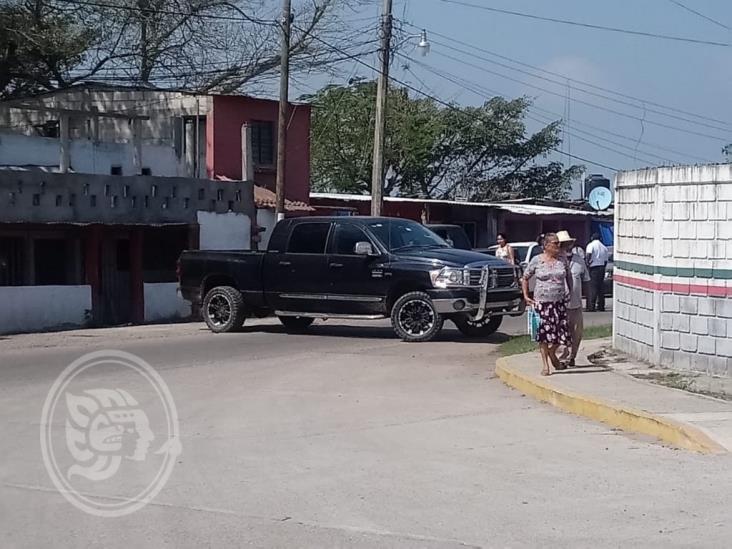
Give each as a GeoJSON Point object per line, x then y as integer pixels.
{"type": "Point", "coordinates": [580, 276]}
{"type": "Point", "coordinates": [596, 256]}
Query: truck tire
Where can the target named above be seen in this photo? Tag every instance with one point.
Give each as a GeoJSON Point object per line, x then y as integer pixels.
{"type": "Point", "coordinates": [415, 319]}
{"type": "Point", "coordinates": [295, 324]}
{"type": "Point", "coordinates": [223, 309]}
{"type": "Point", "coordinates": [482, 328]}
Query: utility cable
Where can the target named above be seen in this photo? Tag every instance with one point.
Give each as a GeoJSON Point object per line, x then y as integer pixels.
{"type": "Point", "coordinates": [589, 25]}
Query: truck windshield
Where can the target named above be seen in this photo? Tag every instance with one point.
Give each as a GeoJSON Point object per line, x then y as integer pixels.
{"type": "Point", "coordinates": [401, 234]}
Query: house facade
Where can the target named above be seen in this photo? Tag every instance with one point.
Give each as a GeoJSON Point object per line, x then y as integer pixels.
{"type": "Point", "coordinates": [174, 134]}
{"type": "Point", "coordinates": [102, 187]}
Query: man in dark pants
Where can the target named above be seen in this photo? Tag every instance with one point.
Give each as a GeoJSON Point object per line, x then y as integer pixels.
{"type": "Point", "coordinates": [596, 256]}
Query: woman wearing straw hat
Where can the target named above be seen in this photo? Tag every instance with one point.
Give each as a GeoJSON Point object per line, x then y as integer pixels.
{"type": "Point", "coordinates": [553, 278]}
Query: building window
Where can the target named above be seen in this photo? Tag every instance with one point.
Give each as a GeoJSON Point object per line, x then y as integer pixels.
{"type": "Point", "coordinates": [49, 128]}
{"type": "Point", "coordinates": [146, 171]}
{"type": "Point", "coordinates": [115, 170]}
{"type": "Point", "coordinates": [12, 261]}
{"type": "Point", "coordinates": [263, 143]}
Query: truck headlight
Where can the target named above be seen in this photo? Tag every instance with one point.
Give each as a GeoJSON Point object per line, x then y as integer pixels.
{"type": "Point", "coordinates": [448, 277]}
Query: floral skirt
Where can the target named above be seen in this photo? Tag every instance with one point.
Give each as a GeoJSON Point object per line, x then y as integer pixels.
{"type": "Point", "coordinates": [554, 327]}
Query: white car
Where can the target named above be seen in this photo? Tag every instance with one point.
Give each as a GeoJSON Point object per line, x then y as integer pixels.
{"type": "Point", "coordinates": [523, 252]}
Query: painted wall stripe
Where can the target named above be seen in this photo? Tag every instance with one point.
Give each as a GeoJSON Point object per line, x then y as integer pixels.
{"type": "Point", "coordinates": [687, 272]}
{"type": "Point", "coordinates": [683, 288]}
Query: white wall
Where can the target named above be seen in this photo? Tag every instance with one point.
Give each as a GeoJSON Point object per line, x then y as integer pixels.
{"type": "Point", "coordinates": [163, 302]}
{"type": "Point", "coordinates": [88, 156]}
{"type": "Point", "coordinates": [229, 231]}
{"type": "Point", "coordinates": [38, 308]}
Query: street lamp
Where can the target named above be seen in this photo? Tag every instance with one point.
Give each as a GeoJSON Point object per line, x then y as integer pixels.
{"type": "Point", "coordinates": [382, 86]}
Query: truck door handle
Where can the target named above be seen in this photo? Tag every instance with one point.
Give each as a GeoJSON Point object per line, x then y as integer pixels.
{"type": "Point", "coordinates": [285, 263]}
{"type": "Point", "coordinates": [336, 265]}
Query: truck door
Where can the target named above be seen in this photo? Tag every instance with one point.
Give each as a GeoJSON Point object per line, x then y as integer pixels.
{"type": "Point", "coordinates": [358, 283]}
{"type": "Point", "coordinates": [295, 279]}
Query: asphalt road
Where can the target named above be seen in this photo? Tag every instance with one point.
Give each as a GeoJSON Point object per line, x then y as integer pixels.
{"type": "Point", "coordinates": [346, 437]}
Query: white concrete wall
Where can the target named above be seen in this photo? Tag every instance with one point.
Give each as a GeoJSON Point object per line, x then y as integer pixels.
{"type": "Point", "coordinates": [673, 267]}
{"type": "Point", "coordinates": [88, 156]}
{"type": "Point", "coordinates": [163, 302]}
{"type": "Point", "coordinates": [229, 231]}
{"type": "Point", "coordinates": [38, 308]}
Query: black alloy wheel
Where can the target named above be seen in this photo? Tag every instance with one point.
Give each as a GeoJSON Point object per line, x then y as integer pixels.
{"type": "Point", "coordinates": [223, 309]}
{"type": "Point", "coordinates": [415, 319]}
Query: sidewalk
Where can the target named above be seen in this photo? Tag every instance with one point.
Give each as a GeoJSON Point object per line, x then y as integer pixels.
{"type": "Point", "coordinates": [614, 397]}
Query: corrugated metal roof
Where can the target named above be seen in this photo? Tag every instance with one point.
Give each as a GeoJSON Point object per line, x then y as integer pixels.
{"type": "Point", "coordinates": [521, 209]}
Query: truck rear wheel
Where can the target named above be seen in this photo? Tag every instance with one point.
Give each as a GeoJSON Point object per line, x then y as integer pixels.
{"type": "Point", "coordinates": [296, 323]}
{"type": "Point", "coordinates": [223, 309]}
{"type": "Point", "coordinates": [481, 328]}
{"type": "Point", "coordinates": [415, 319]}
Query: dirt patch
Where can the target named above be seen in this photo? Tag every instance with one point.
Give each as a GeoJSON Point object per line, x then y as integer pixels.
{"type": "Point", "coordinates": [607, 357]}
{"type": "Point", "coordinates": [693, 383]}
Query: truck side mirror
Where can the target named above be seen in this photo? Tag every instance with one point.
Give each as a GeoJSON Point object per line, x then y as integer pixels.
{"type": "Point", "coordinates": [363, 248]}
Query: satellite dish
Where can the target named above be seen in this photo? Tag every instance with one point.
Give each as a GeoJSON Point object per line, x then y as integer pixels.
{"type": "Point", "coordinates": [600, 198]}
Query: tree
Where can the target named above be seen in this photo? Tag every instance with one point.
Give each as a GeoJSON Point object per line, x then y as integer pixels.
{"type": "Point", "coordinates": [200, 45]}
{"type": "Point", "coordinates": [433, 151]}
{"type": "Point", "coordinates": [39, 46]}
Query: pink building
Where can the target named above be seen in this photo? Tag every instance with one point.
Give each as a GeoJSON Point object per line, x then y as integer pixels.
{"type": "Point", "coordinates": [224, 121]}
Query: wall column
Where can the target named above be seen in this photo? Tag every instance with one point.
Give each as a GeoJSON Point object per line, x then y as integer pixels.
{"type": "Point", "coordinates": [137, 286]}
{"type": "Point", "coordinates": [92, 260]}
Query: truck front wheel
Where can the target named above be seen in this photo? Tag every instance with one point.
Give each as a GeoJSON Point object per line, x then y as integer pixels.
{"type": "Point", "coordinates": [415, 319]}
{"type": "Point", "coordinates": [223, 309]}
{"type": "Point", "coordinates": [481, 328]}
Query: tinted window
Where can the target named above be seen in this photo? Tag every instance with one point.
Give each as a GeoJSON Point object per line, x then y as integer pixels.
{"type": "Point", "coordinates": [396, 234]}
{"type": "Point", "coordinates": [536, 250]}
{"type": "Point", "coordinates": [308, 238]}
{"type": "Point", "coordinates": [519, 252]}
{"type": "Point", "coordinates": [459, 239]}
{"type": "Point", "coordinates": [345, 237]}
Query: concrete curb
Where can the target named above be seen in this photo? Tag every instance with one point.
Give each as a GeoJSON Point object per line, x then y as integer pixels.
{"type": "Point", "coordinates": [614, 414]}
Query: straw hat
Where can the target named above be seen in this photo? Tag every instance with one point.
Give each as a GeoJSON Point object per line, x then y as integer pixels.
{"type": "Point", "coordinates": [564, 237]}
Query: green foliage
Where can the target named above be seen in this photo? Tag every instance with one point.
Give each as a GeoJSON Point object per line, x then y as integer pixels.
{"type": "Point", "coordinates": [478, 153]}
{"type": "Point", "coordinates": [39, 45]}
{"type": "Point", "coordinates": [518, 345]}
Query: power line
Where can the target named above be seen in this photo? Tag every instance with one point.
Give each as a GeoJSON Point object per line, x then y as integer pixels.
{"type": "Point", "coordinates": [687, 8]}
{"type": "Point", "coordinates": [590, 25]}
{"type": "Point", "coordinates": [450, 105]}
{"type": "Point", "coordinates": [478, 90]}
{"type": "Point", "coordinates": [581, 101]}
{"type": "Point", "coordinates": [578, 83]}
{"type": "Point", "coordinates": [595, 94]}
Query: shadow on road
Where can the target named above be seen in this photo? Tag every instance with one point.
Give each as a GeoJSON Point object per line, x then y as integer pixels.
{"type": "Point", "coordinates": [365, 332]}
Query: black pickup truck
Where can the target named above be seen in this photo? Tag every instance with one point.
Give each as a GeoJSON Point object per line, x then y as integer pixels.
{"type": "Point", "coordinates": [353, 267]}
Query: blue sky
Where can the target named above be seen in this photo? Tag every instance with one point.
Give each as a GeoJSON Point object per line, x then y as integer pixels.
{"type": "Point", "coordinates": [691, 77]}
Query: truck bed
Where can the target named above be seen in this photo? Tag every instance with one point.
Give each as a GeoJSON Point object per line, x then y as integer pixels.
{"type": "Point", "coordinates": [202, 269]}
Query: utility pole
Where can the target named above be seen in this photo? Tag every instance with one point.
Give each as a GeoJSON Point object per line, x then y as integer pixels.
{"type": "Point", "coordinates": [283, 110]}
{"type": "Point", "coordinates": [382, 87]}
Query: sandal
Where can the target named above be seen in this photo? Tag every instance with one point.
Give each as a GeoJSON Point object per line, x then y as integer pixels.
{"type": "Point", "coordinates": [546, 373]}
